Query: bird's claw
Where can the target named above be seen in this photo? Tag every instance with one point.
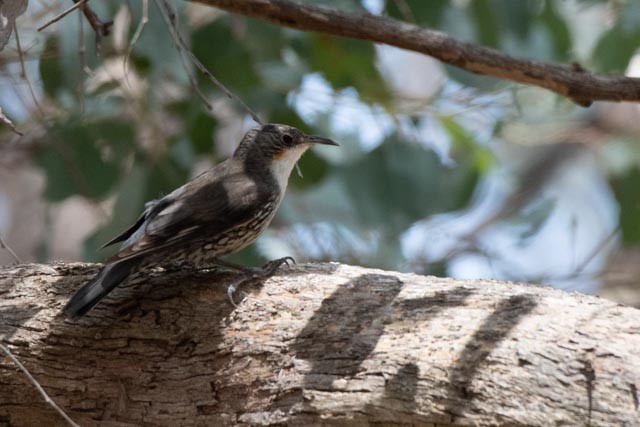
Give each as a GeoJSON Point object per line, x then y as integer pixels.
{"type": "Point", "coordinates": [272, 266]}
{"type": "Point", "coordinates": [266, 271]}
{"type": "Point", "coordinates": [231, 289]}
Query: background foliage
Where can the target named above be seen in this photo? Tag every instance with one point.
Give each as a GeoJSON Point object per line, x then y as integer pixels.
{"type": "Point", "coordinates": [121, 132]}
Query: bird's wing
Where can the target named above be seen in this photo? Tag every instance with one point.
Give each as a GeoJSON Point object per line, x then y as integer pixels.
{"type": "Point", "coordinates": [150, 210]}
{"type": "Point", "coordinates": [200, 209]}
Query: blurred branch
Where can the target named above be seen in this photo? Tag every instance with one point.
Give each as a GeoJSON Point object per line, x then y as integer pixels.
{"type": "Point", "coordinates": [136, 35]}
{"type": "Point", "coordinates": [102, 29]}
{"type": "Point", "coordinates": [23, 75]}
{"type": "Point", "coordinates": [170, 17]}
{"type": "Point", "coordinates": [570, 81]}
{"type": "Point", "coordinates": [62, 15]}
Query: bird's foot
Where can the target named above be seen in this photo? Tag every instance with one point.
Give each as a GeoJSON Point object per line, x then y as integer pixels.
{"type": "Point", "coordinates": [270, 268]}
{"type": "Point", "coordinates": [249, 274]}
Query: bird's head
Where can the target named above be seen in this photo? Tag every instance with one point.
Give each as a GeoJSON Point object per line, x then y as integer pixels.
{"type": "Point", "coordinates": [277, 147]}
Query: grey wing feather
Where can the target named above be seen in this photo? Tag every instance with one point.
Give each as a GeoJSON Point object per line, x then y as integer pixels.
{"type": "Point", "coordinates": [150, 209]}
{"type": "Point", "coordinates": [191, 212]}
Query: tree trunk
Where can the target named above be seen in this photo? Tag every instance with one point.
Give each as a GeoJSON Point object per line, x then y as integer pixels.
{"type": "Point", "coordinates": [317, 344]}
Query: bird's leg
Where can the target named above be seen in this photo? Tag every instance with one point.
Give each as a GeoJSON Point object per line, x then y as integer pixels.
{"type": "Point", "coordinates": [210, 266]}
{"type": "Point", "coordinates": [190, 269]}
{"type": "Point", "coordinates": [268, 269]}
{"type": "Point", "coordinates": [261, 273]}
{"type": "Point", "coordinates": [230, 265]}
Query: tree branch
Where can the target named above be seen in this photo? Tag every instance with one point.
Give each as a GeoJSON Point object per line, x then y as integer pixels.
{"type": "Point", "coordinates": [573, 82]}
{"type": "Point", "coordinates": [318, 344]}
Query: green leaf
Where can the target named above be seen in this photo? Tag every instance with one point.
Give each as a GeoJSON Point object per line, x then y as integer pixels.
{"type": "Point", "coordinates": [486, 21]}
{"type": "Point", "coordinates": [165, 175]}
{"type": "Point", "coordinates": [50, 67]}
{"type": "Point", "coordinates": [128, 207]}
{"type": "Point", "coordinates": [155, 54]}
{"type": "Point", "coordinates": [327, 201]}
{"type": "Point", "coordinates": [626, 190]}
{"type": "Point", "coordinates": [344, 63]}
{"type": "Point", "coordinates": [463, 142]}
{"type": "Point", "coordinates": [558, 29]}
{"type": "Point", "coordinates": [399, 183]}
{"type": "Point", "coordinates": [200, 128]}
{"type": "Point", "coordinates": [313, 169]}
{"type": "Point", "coordinates": [515, 16]}
{"type": "Point", "coordinates": [84, 158]}
{"type": "Point", "coordinates": [280, 77]}
{"type": "Point", "coordinates": [225, 57]}
{"type": "Point", "coordinates": [281, 114]}
{"type": "Point", "coordinates": [264, 41]}
{"type": "Point", "coordinates": [425, 13]}
{"type": "Point", "coordinates": [614, 50]}
{"type": "Point", "coordinates": [497, 20]}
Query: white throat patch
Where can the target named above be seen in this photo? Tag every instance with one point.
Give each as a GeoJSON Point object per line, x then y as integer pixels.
{"type": "Point", "coordinates": [282, 166]}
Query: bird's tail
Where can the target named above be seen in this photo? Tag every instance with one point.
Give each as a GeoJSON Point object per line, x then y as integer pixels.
{"type": "Point", "coordinates": [99, 286]}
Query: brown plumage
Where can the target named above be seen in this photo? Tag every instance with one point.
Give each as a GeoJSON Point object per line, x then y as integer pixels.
{"type": "Point", "coordinates": [219, 212]}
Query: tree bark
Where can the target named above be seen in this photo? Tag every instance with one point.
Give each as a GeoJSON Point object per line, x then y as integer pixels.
{"type": "Point", "coordinates": [571, 81]}
{"type": "Point", "coordinates": [318, 344]}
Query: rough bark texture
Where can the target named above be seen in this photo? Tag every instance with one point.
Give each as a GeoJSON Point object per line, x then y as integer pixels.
{"type": "Point", "coordinates": [573, 82]}
{"type": "Point", "coordinates": [317, 344]}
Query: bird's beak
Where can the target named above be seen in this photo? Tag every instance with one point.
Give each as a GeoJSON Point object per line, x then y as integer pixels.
{"type": "Point", "coordinates": [320, 140]}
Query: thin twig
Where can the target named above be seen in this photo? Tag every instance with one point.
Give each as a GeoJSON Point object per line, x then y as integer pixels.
{"type": "Point", "coordinates": [83, 62]}
{"type": "Point", "coordinates": [597, 249]}
{"type": "Point", "coordinates": [143, 21]}
{"type": "Point", "coordinates": [62, 15]}
{"type": "Point", "coordinates": [23, 73]}
{"type": "Point", "coordinates": [23, 69]}
{"type": "Point", "coordinates": [169, 14]}
{"type": "Point", "coordinates": [3, 245]}
{"type": "Point", "coordinates": [35, 383]}
{"type": "Point", "coordinates": [4, 119]}
{"type": "Point", "coordinates": [575, 83]}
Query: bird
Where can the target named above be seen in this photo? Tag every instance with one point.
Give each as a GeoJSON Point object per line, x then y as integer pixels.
{"type": "Point", "coordinates": [217, 213]}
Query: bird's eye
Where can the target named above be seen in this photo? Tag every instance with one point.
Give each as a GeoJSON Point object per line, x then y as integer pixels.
{"type": "Point", "coordinates": [287, 139]}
